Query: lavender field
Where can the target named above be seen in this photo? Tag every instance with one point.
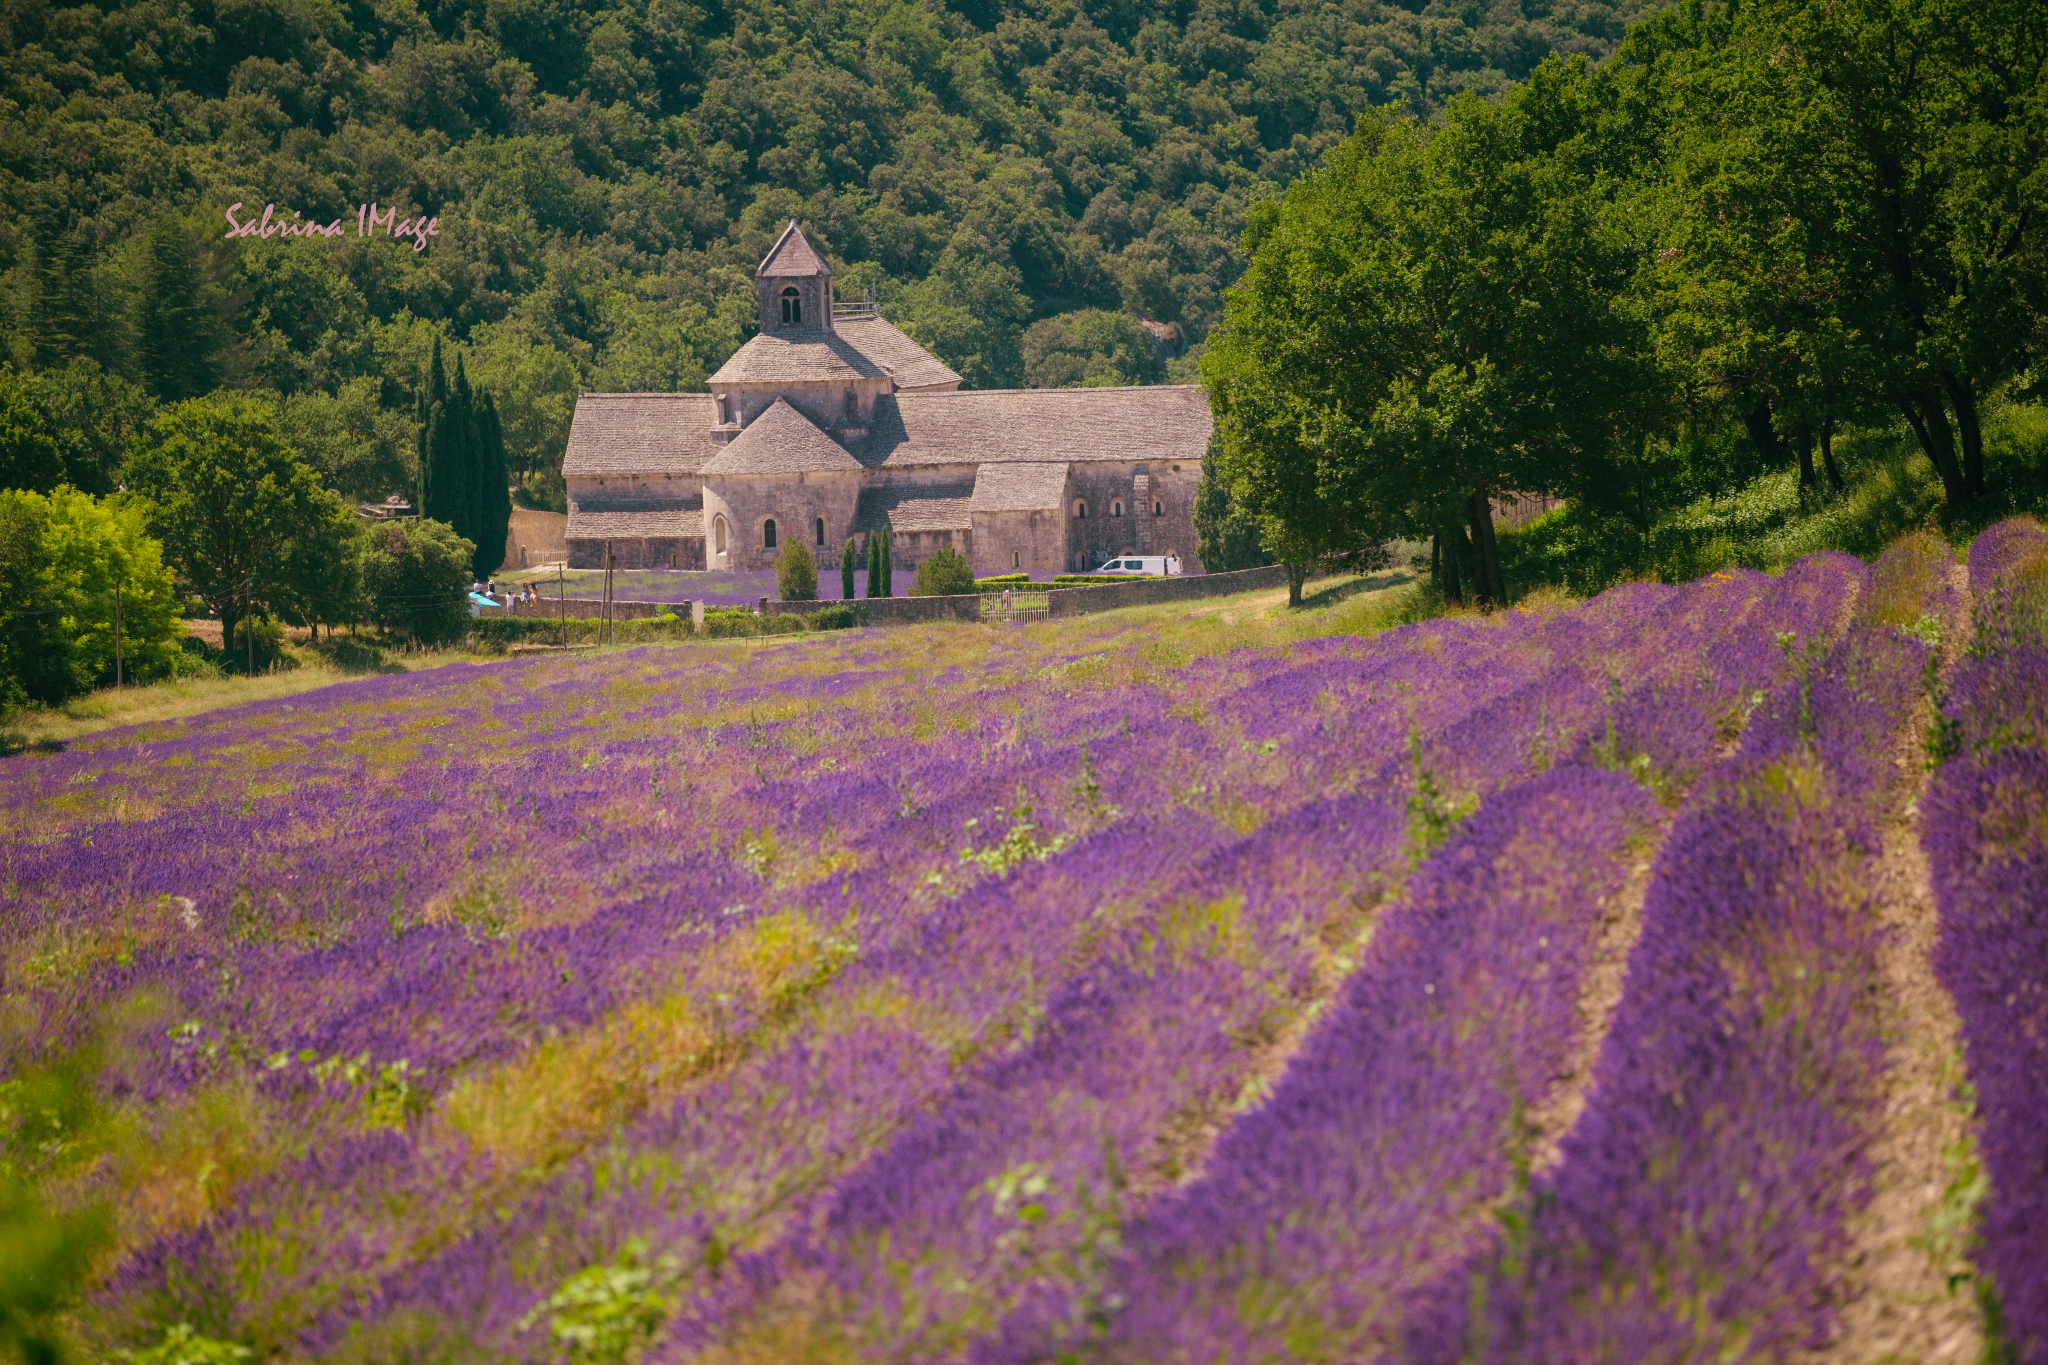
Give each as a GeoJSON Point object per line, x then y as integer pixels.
{"type": "Point", "coordinates": [1508, 989]}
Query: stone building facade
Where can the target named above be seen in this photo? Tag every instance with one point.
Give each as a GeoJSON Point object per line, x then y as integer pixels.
{"type": "Point", "coordinates": [830, 423]}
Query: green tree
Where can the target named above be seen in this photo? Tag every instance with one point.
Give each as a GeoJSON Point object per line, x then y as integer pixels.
{"type": "Point", "coordinates": [945, 573]}
{"type": "Point", "coordinates": [175, 342]}
{"type": "Point", "coordinates": [1865, 184]}
{"type": "Point", "coordinates": [362, 449]}
{"type": "Point", "coordinates": [846, 564]}
{"type": "Point", "coordinates": [416, 576]}
{"type": "Point", "coordinates": [462, 461]}
{"type": "Point", "coordinates": [888, 569]}
{"type": "Point", "coordinates": [36, 659]}
{"type": "Point", "coordinates": [494, 488]}
{"type": "Point", "coordinates": [1225, 539]}
{"type": "Point", "coordinates": [1089, 348]}
{"type": "Point", "coordinates": [102, 567]}
{"type": "Point", "coordinates": [324, 575]}
{"type": "Point", "coordinates": [230, 501]}
{"type": "Point", "coordinates": [94, 415]}
{"type": "Point", "coordinates": [796, 573]}
{"type": "Point", "coordinates": [970, 311]}
{"type": "Point", "coordinates": [29, 457]}
{"type": "Point", "coordinates": [1414, 312]}
{"type": "Point", "coordinates": [875, 589]}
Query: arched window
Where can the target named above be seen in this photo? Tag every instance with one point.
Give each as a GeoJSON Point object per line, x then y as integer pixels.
{"type": "Point", "coordinates": [671, 559]}
{"type": "Point", "coordinates": [1158, 508]}
{"type": "Point", "coordinates": [1016, 559]}
{"type": "Point", "coordinates": [1080, 510]}
{"type": "Point", "coordinates": [792, 307]}
{"type": "Point", "coordinates": [768, 534]}
{"type": "Point", "coordinates": [821, 530]}
{"type": "Point", "coordinates": [852, 405]}
{"type": "Point", "coordinates": [1116, 508]}
{"type": "Point", "coordinates": [718, 534]}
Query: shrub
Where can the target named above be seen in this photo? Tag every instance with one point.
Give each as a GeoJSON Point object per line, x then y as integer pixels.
{"type": "Point", "coordinates": [258, 646]}
{"type": "Point", "coordinates": [796, 574]}
{"type": "Point", "coordinates": [846, 566]}
{"type": "Point", "coordinates": [943, 575]}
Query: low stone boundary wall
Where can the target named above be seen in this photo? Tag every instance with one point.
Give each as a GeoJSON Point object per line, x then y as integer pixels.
{"type": "Point", "coordinates": [903, 611]}
{"type": "Point", "coordinates": [592, 608]}
{"type": "Point", "coordinates": [891, 611]}
{"type": "Point", "coordinates": [1146, 592]}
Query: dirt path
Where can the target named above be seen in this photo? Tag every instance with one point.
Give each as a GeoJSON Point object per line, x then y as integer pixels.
{"type": "Point", "coordinates": [1621, 924]}
{"type": "Point", "coordinates": [1895, 1291]}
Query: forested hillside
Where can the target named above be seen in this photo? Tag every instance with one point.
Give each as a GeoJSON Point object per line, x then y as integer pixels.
{"type": "Point", "coordinates": [605, 177]}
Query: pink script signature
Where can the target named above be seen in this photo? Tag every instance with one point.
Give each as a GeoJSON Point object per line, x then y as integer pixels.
{"type": "Point", "coordinates": [368, 220]}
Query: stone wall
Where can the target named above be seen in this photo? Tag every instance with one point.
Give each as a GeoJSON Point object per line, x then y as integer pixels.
{"type": "Point", "coordinates": [1102, 536]}
{"type": "Point", "coordinates": [683, 552]}
{"type": "Point", "coordinates": [794, 501]}
{"type": "Point", "coordinates": [535, 538]}
{"type": "Point", "coordinates": [592, 608]}
{"type": "Point", "coordinates": [892, 611]}
{"type": "Point", "coordinates": [1147, 591]}
{"type": "Point", "coordinates": [1013, 542]}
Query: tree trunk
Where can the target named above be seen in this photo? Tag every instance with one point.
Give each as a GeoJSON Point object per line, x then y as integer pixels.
{"type": "Point", "coordinates": [1297, 574]}
{"type": "Point", "coordinates": [1486, 553]}
{"type": "Point", "coordinates": [1804, 441]}
{"type": "Point", "coordinates": [1457, 557]}
{"type": "Point", "coordinates": [1963, 394]}
{"type": "Point", "coordinates": [1827, 454]}
{"type": "Point", "coordinates": [1769, 448]}
{"type": "Point", "coordinates": [1934, 439]}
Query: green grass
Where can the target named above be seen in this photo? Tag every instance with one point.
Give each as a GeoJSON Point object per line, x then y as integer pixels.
{"type": "Point", "coordinates": [1768, 523]}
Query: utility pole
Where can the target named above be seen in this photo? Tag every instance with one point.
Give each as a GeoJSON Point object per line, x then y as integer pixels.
{"type": "Point", "coordinates": [117, 636]}
{"type": "Point", "coordinates": [562, 603]}
{"type": "Point", "coordinates": [610, 560]}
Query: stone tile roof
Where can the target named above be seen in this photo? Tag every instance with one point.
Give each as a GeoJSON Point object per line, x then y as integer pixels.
{"type": "Point", "coordinates": [1019, 487]}
{"type": "Point", "coordinates": [781, 441]}
{"type": "Point", "coordinates": [639, 433]}
{"type": "Point", "coordinates": [635, 521]}
{"type": "Point", "coordinates": [903, 360]}
{"type": "Point", "coordinates": [1164, 422]}
{"type": "Point", "coordinates": [792, 254]}
{"type": "Point", "coordinates": [935, 507]}
{"type": "Point", "coordinates": [794, 357]}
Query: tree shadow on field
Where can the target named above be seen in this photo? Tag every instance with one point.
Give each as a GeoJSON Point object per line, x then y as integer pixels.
{"type": "Point", "coordinates": [1323, 598]}
{"type": "Point", "coordinates": [353, 654]}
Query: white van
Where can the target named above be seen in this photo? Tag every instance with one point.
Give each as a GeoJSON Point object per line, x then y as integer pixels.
{"type": "Point", "coordinates": [1157, 566]}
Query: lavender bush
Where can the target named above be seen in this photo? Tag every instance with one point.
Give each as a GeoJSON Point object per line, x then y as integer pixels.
{"type": "Point", "coordinates": [1985, 830]}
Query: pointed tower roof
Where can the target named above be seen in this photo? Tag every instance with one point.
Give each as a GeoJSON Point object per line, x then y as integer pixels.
{"type": "Point", "coordinates": [792, 255]}
{"type": "Point", "coordinates": [781, 441]}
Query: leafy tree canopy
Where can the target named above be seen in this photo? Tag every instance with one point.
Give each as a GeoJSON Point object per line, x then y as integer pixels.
{"type": "Point", "coordinates": [606, 177]}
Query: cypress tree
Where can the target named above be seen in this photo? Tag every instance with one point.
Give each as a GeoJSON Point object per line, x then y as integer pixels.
{"type": "Point", "coordinates": [493, 487]}
{"type": "Point", "coordinates": [874, 565]}
{"type": "Point", "coordinates": [433, 396]}
{"type": "Point", "coordinates": [174, 338]}
{"type": "Point", "coordinates": [846, 568]}
{"type": "Point", "coordinates": [888, 574]}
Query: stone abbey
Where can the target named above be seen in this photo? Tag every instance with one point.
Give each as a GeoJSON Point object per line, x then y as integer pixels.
{"type": "Point", "coordinates": [830, 423]}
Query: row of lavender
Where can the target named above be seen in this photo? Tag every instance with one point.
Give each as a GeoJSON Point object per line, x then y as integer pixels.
{"type": "Point", "coordinates": [1004, 1224]}
{"type": "Point", "coordinates": [1986, 834]}
{"type": "Point", "coordinates": [512, 974]}
{"type": "Point", "coordinates": [1380, 1206]}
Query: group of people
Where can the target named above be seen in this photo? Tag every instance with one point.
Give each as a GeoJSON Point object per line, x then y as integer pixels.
{"type": "Point", "coordinates": [489, 593]}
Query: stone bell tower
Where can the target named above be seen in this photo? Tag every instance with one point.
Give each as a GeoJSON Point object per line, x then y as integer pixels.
{"type": "Point", "coordinates": [794, 285]}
